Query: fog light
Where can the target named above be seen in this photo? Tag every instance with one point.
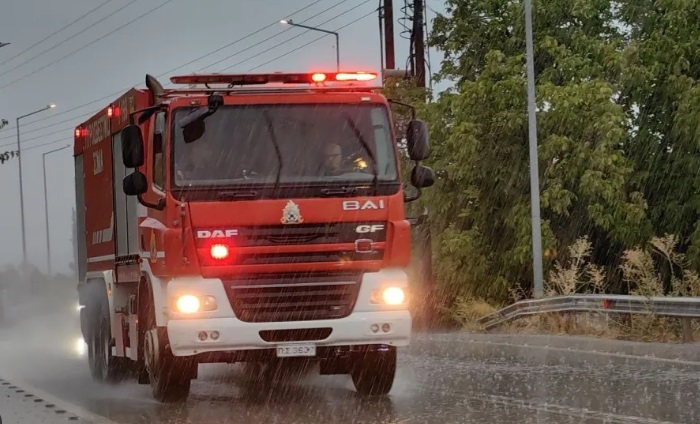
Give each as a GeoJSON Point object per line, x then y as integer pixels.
{"type": "Point", "coordinates": [203, 336]}
{"type": "Point", "coordinates": [188, 304]}
{"type": "Point", "coordinates": [374, 328]}
{"type": "Point", "coordinates": [214, 335]}
{"type": "Point", "coordinates": [386, 328]}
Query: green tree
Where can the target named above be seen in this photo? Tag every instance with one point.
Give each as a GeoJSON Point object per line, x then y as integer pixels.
{"type": "Point", "coordinates": [7, 155]}
{"type": "Point", "coordinates": [479, 133]}
{"type": "Point", "coordinates": [661, 96]}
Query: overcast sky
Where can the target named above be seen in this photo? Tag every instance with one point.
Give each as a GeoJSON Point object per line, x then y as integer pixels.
{"type": "Point", "coordinates": [77, 66]}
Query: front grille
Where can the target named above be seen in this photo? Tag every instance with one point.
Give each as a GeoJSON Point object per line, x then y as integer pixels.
{"type": "Point", "coordinates": [293, 297]}
{"type": "Point", "coordinates": [281, 235]}
{"type": "Point", "coordinates": [295, 335]}
{"type": "Point", "coordinates": [306, 257]}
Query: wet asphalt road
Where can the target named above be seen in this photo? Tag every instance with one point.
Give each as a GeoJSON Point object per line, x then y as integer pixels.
{"type": "Point", "coordinates": [442, 378]}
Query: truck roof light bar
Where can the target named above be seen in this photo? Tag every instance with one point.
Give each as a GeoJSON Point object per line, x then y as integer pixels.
{"type": "Point", "coordinates": [279, 78]}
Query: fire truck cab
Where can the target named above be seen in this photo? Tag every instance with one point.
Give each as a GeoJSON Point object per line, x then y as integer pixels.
{"type": "Point", "coordinates": [245, 218]}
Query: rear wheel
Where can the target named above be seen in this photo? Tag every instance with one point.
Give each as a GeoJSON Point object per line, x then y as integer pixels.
{"type": "Point", "coordinates": [103, 365]}
{"type": "Point", "coordinates": [373, 373]}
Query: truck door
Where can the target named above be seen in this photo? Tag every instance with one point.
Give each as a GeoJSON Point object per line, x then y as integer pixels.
{"type": "Point", "coordinates": [125, 212]}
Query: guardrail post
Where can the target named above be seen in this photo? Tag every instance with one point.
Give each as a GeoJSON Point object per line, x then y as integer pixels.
{"type": "Point", "coordinates": [687, 331]}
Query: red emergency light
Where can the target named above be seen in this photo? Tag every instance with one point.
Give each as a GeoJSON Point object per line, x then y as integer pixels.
{"type": "Point", "coordinates": [113, 111]}
{"type": "Point", "coordinates": [80, 132]}
{"type": "Point", "coordinates": [219, 251]}
{"type": "Point", "coordinates": [283, 78]}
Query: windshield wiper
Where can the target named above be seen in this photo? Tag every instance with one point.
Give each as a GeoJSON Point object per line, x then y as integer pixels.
{"type": "Point", "coordinates": [363, 142]}
{"type": "Point", "coordinates": [273, 138]}
{"type": "Point", "coordinates": [345, 191]}
{"type": "Point", "coordinates": [227, 195]}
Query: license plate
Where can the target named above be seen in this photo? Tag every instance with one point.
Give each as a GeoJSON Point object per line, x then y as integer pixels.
{"type": "Point", "coordinates": [288, 351]}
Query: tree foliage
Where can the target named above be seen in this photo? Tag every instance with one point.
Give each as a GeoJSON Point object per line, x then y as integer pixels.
{"type": "Point", "coordinates": [7, 155]}
{"type": "Point", "coordinates": [618, 107]}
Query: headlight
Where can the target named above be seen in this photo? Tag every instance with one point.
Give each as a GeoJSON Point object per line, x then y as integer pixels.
{"type": "Point", "coordinates": [392, 296]}
{"type": "Point", "coordinates": [190, 304]}
{"type": "Point", "coordinates": [187, 304]}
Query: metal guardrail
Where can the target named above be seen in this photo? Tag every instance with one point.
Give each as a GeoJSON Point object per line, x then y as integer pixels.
{"type": "Point", "coordinates": [679, 307]}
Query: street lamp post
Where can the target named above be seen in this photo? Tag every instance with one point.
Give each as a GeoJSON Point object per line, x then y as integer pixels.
{"type": "Point", "coordinates": [4, 44]}
{"type": "Point", "coordinates": [46, 210]}
{"type": "Point", "coordinates": [538, 277]}
{"type": "Point", "coordinates": [21, 191]}
{"type": "Point", "coordinates": [337, 38]}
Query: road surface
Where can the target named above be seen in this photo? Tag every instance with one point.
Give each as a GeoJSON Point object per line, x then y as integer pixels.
{"type": "Point", "coordinates": [442, 378]}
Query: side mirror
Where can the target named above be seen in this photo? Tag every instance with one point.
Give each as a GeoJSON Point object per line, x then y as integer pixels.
{"type": "Point", "coordinates": [132, 147]}
{"type": "Point", "coordinates": [422, 177]}
{"type": "Point", "coordinates": [135, 184]}
{"type": "Point", "coordinates": [417, 140]}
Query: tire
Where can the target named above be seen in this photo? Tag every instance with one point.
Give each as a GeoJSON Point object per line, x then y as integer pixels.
{"type": "Point", "coordinates": [170, 377]}
{"type": "Point", "coordinates": [104, 366]}
{"type": "Point", "coordinates": [373, 374]}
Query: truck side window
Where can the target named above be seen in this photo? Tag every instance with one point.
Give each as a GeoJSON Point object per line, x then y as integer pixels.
{"type": "Point", "coordinates": [158, 153]}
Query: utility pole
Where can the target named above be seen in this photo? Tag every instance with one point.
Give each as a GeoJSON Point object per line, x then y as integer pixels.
{"type": "Point", "coordinates": [419, 40]}
{"type": "Point", "coordinates": [538, 277]}
{"type": "Point", "coordinates": [389, 34]}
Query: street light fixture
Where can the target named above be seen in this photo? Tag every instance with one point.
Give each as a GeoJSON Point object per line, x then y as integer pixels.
{"type": "Point", "coordinates": [337, 37]}
{"type": "Point", "coordinates": [46, 209]}
{"type": "Point", "coordinates": [4, 44]}
{"type": "Point", "coordinates": [21, 191]}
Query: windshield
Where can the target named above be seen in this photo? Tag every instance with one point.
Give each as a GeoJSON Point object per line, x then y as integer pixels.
{"type": "Point", "coordinates": [289, 143]}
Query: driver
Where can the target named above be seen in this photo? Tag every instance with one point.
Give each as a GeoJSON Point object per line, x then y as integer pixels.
{"type": "Point", "coordinates": [332, 159]}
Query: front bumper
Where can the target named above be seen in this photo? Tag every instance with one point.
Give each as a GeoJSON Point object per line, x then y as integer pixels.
{"type": "Point", "coordinates": [235, 335]}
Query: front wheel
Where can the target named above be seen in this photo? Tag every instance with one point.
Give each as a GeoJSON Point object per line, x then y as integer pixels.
{"type": "Point", "coordinates": [373, 373]}
{"type": "Point", "coordinates": [170, 376]}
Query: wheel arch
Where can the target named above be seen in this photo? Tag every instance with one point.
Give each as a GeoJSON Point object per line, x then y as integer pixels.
{"type": "Point", "coordinates": [156, 288]}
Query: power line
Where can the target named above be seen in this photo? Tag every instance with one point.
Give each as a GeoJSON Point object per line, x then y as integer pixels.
{"type": "Point", "coordinates": [116, 93]}
{"type": "Point", "coordinates": [87, 45]}
{"type": "Point", "coordinates": [280, 33]}
{"type": "Point", "coordinates": [44, 127]}
{"type": "Point", "coordinates": [239, 63]}
{"type": "Point", "coordinates": [313, 41]}
{"type": "Point", "coordinates": [250, 35]}
{"type": "Point", "coordinates": [69, 38]}
{"type": "Point", "coordinates": [243, 61]}
{"type": "Point", "coordinates": [174, 69]}
{"type": "Point", "coordinates": [55, 32]}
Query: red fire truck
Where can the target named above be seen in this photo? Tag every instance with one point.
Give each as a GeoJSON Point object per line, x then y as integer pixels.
{"type": "Point", "coordinates": [253, 218]}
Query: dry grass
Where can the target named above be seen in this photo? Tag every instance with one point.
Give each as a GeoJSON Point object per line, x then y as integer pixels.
{"type": "Point", "coordinates": [467, 311]}
{"type": "Point", "coordinates": [579, 276]}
